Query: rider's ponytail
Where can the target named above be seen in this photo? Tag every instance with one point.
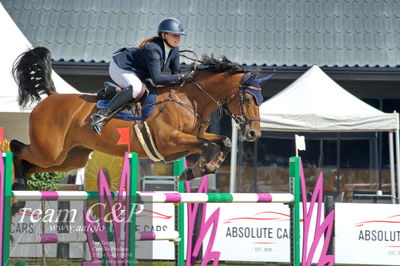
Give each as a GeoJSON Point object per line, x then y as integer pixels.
{"type": "Point", "coordinates": [143, 43]}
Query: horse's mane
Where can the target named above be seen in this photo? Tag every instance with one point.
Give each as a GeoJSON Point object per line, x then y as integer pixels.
{"type": "Point", "coordinates": [224, 65]}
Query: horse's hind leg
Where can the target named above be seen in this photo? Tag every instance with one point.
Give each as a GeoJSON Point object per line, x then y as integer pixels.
{"type": "Point", "coordinates": [40, 153]}
{"type": "Point", "coordinates": [76, 158]}
{"type": "Point", "coordinates": [26, 157]}
{"type": "Point", "coordinates": [19, 165]}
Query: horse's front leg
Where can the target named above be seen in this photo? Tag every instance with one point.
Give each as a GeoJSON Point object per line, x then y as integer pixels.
{"type": "Point", "coordinates": [213, 150]}
{"type": "Point", "coordinates": [225, 146]}
{"type": "Point", "coordinates": [208, 151]}
{"type": "Point", "coordinates": [202, 167]}
{"type": "Point", "coordinates": [183, 143]}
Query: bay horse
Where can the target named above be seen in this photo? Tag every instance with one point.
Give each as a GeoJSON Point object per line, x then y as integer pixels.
{"type": "Point", "coordinates": [61, 139]}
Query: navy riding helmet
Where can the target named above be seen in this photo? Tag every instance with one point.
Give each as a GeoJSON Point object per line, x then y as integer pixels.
{"type": "Point", "coordinates": [171, 25]}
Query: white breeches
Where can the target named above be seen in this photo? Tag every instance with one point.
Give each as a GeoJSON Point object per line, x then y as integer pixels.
{"type": "Point", "coordinates": [125, 78]}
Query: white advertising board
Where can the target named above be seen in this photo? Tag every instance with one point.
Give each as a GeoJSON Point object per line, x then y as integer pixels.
{"type": "Point", "coordinates": [163, 220]}
{"type": "Point", "coordinates": [255, 232]}
{"type": "Point", "coordinates": [27, 225]}
{"type": "Point", "coordinates": [245, 232]}
{"type": "Point", "coordinates": [367, 234]}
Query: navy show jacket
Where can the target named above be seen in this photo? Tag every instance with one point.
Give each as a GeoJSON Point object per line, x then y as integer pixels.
{"type": "Point", "coordinates": [149, 62]}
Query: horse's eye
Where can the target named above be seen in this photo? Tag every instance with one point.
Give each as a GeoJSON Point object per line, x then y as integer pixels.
{"type": "Point", "coordinates": [247, 99]}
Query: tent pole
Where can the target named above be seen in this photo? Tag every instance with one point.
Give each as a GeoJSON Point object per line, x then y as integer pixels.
{"type": "Point", "coordinates": [380, 168]}
{"type": "Point", "coordinates": [255, 155]}
{"type": "Point", "coordinates": [376, 165]}
{"type": "Point", "coordinates": [398, 163]}
{"type": "Point", "coordinates": [371, 160]}
{"type": "Point", "coordinates": [391, 161]}
{"type": "Point", "coordinates": [232, 183]}
{"type": "Point", "coordinates": [337, 183]}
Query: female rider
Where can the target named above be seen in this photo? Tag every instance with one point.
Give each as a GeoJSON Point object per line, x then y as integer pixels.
{"type": "Point", "coordinates": [129, 67]}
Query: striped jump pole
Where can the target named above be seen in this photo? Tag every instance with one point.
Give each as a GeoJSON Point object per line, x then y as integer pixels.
{"type": "Point", "coordinates": [140, 236]}
{"type": "Point", "coordinates": [171, 236]}
{"type": "Point", "coordinates": [159, 197]}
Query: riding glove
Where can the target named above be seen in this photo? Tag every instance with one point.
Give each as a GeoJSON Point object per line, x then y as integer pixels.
{"type": "Point", "coordinates": [185, 77]}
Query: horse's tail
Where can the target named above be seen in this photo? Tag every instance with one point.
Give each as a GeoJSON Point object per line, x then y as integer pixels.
{"type": "Point", "coordinates": [32, 72]}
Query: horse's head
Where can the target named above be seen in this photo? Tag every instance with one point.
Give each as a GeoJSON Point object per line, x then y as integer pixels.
{"type": "Point", "coordinates": [239, 90]}
{"type": "Point", "coordinates": [244, 104]}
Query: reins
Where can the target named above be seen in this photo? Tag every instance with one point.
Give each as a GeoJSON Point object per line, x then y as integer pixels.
{"type": "Point", "coordinates": [196, 60]}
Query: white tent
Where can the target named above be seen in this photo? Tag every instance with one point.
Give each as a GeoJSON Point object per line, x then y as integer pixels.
{"type": "Point", "coordinates": [12, 118]}
{"type": "Point", "coordinates": [315, 103]}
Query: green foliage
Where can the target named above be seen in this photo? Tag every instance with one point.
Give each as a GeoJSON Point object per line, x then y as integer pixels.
{"type": "Point", "coordinates": [45, 181]}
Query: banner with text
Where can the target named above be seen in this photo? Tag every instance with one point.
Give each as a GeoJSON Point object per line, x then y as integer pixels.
{"type": "Point", "coordinates": [255, 232]}
{"type": "Point", "coordinates": [367, 233]}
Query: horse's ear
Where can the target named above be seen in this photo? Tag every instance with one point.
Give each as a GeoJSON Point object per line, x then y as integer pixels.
{"type": "Point", "coordinates": [264, 79]}
{"type": "Point", "coordinates": [251, 78]}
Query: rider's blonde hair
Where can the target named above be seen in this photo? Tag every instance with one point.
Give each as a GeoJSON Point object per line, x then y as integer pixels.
{"type": "Point", "coordinates": [143, 43]}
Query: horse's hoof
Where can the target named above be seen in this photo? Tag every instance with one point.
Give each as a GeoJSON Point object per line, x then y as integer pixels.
{"type": "Point", "coordinates": [182, 176]}
{"type": "Point", "coordinates": [18, 186]}
{"type": "Point", "coordinates": [186, 175]}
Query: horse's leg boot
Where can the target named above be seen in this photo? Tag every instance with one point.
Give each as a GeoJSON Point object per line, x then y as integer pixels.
{"type": "Point", "coordinates": [100, 117]}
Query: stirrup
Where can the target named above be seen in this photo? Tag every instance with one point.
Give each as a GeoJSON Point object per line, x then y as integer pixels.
{"type": "Point", "coordinates": [99, 117]}
{"type": "Point", "coordinates": [97, 127]}
{"type": "Point", "coordinates": [98, 121]}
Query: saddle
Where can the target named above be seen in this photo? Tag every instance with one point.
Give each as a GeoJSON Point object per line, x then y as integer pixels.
{"type": "Point", "coordinates": [139, 109]}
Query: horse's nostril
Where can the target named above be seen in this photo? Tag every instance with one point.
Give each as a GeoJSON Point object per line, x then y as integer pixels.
{"type": "Point", "coordinates": [252, 134]}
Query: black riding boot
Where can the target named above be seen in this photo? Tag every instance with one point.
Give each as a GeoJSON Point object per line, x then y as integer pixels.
{"type": "Point", "coordinates": [108, 92]}
{"type": "Point", "coordinates": [119, 101]}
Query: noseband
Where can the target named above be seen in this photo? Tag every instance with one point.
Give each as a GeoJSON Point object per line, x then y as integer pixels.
{"type": "Point", "coordinates": [241, 119]}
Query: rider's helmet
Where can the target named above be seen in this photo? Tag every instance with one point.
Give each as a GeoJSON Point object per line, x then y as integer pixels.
{"type": "Point", "coordinates": [171, 25]}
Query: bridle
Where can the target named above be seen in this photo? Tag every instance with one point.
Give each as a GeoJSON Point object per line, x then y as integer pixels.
{"type": "Point", "coordinates": [241, 119]}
